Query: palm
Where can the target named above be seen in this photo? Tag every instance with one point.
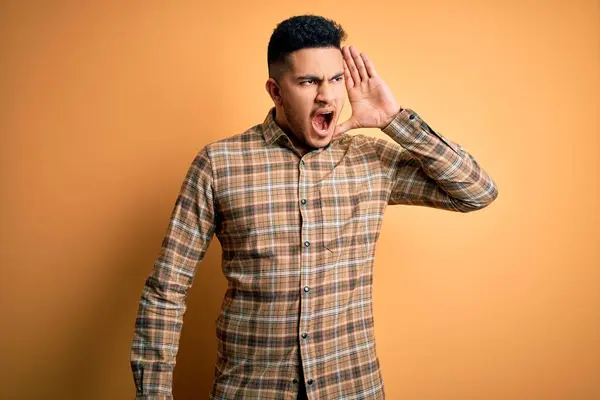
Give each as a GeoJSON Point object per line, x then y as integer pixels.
{"type": "Point", "coordinates": [372, 102]}
{"type": "Point", "coordinates": [368, 101]}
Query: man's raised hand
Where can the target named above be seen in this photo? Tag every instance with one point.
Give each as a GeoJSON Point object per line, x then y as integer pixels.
{"type": "Point", "coordinates": [372, 102]}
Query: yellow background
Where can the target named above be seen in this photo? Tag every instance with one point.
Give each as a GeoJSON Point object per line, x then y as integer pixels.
{"type": "Point", "coordinates": [105, 104]}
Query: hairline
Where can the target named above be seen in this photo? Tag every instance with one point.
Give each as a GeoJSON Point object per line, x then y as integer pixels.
{"type": "Point", "coordinates": [284, 62]}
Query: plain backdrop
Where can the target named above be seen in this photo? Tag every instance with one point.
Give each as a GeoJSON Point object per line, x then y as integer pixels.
{"type": "Point", "coordinates": [104, 104]}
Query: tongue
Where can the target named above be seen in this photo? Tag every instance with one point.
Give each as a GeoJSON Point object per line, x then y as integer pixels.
{"type": "Point", "coordinates": [320, 122]}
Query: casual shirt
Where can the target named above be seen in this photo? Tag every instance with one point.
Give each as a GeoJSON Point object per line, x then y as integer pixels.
{"type": "Point", "coordinates": [298, 235]}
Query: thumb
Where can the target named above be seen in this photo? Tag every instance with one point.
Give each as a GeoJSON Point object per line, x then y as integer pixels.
{"type": "Point", "coordinates": [345, 126]}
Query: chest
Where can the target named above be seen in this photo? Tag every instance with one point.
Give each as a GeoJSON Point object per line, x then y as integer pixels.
{"type": "Point", "coordinates": [276, 194]}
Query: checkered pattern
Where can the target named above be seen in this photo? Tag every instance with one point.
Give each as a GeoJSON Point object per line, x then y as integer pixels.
{"type": "Point", "coordinates": [298, 236]}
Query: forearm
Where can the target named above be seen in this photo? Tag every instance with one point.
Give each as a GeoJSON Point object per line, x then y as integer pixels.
{"type": "Point", "coordinates": [155, 344]}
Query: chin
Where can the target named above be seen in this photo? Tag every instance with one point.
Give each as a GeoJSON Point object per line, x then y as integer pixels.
{"type": "Point", "coordinates": [319, 141]}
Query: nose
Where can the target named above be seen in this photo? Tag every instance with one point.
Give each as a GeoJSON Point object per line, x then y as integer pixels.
{"type": "Point", "coordinates": [325, 93]}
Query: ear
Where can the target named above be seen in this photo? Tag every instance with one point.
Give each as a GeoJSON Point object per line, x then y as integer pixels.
{"type": "Point", "coordinates": [274, 90]}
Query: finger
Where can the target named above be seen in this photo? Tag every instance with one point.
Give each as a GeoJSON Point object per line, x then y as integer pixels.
{"type": "Point", "coordinates": [348, 77]}
{"type": "Point", "coordinates": [360, 65]}
{"type": "Point", "coordinates": [344, 127]}
{"type": "Point", "coordinates": [369, 65]}
{"type": "Point", "coordinates": [351, 66]}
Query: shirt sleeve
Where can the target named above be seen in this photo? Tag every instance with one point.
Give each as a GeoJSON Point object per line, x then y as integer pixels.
{"type": "Point", "coordinates": [427, 169]}
{"type": "Point", "coordinates": [162, 305]}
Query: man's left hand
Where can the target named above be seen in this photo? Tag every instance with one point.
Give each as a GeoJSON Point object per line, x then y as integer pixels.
{"type": "Point", "coordinates": [373, 104]}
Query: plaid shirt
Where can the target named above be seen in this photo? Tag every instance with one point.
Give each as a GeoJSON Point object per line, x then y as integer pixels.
{"type": "Point", "coordinates": [298, 237]}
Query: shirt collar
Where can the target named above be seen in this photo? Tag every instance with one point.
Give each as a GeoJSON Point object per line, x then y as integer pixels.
{"type": "Point", "coordinates": [270, 130]}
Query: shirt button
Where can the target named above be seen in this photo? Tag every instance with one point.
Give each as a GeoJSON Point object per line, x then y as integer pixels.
{"type": "Point", "coordinates": [307, 243]}
{"type": "Point", "coordinates": [304, 335]}
{"type": "Point", "coordinates": [310, 381]}
{"type": "Point", "coordinates": [306, 288]}
{"type": "Point", "coordinates": [295, 380]}
{"type": "Point", "coordinates": [412, 116]}
{"type": "Point", "coordinates": [303, 201]}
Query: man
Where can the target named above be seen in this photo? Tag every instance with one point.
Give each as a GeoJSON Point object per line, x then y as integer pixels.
{"type": "Point", "coordinates": [297, 206]}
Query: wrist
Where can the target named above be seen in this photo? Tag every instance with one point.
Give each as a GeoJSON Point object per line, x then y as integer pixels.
{"type": "Point", "coordinates": [393, 116]}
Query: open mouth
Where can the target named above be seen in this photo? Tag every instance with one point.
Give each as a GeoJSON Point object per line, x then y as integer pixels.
{"type": "Point", "coordinates": [322, 121]}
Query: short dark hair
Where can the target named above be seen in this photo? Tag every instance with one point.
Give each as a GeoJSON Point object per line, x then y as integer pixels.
{"type": "Point", "coordinates": [302, 32]}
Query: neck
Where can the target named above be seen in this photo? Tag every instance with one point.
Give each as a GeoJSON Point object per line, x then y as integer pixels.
{"type": "Point", "coordinates": [282, 122]}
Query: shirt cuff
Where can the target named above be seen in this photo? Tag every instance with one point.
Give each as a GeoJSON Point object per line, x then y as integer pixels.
{"type": "Point", "coordinates": [408, 128]}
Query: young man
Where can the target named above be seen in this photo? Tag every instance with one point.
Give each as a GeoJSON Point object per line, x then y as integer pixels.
{"type": "Point", "coordinates": [297, 206]}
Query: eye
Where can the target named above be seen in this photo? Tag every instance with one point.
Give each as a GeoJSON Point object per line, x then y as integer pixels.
{"type": "Point", "coordinates": [339, 78]}
{"type": "Point", "coordinates": [310, 82]}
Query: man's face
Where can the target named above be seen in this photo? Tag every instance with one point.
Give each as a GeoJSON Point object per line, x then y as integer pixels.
{"type": "Point", "coordinates": [312, 85]}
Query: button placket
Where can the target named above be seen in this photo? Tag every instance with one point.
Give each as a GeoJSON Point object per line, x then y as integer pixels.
{"type": "Point", "coordinates": [306, 254]}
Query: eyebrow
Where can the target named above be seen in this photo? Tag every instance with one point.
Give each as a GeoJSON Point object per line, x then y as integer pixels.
{"type": "Point", "coordinates": [316, 78]}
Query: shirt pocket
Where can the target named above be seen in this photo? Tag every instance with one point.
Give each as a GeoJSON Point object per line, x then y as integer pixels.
{"type": "Point", "coordinates": [344, 211]}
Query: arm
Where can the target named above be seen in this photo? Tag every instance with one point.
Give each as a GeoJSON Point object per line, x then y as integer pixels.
{"type": "Point", "coordinates": [427, 169]}
{"type": "Point", "coordinates": [162, 304]}
{"type": "Point", "coordinates": [424, 167]}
